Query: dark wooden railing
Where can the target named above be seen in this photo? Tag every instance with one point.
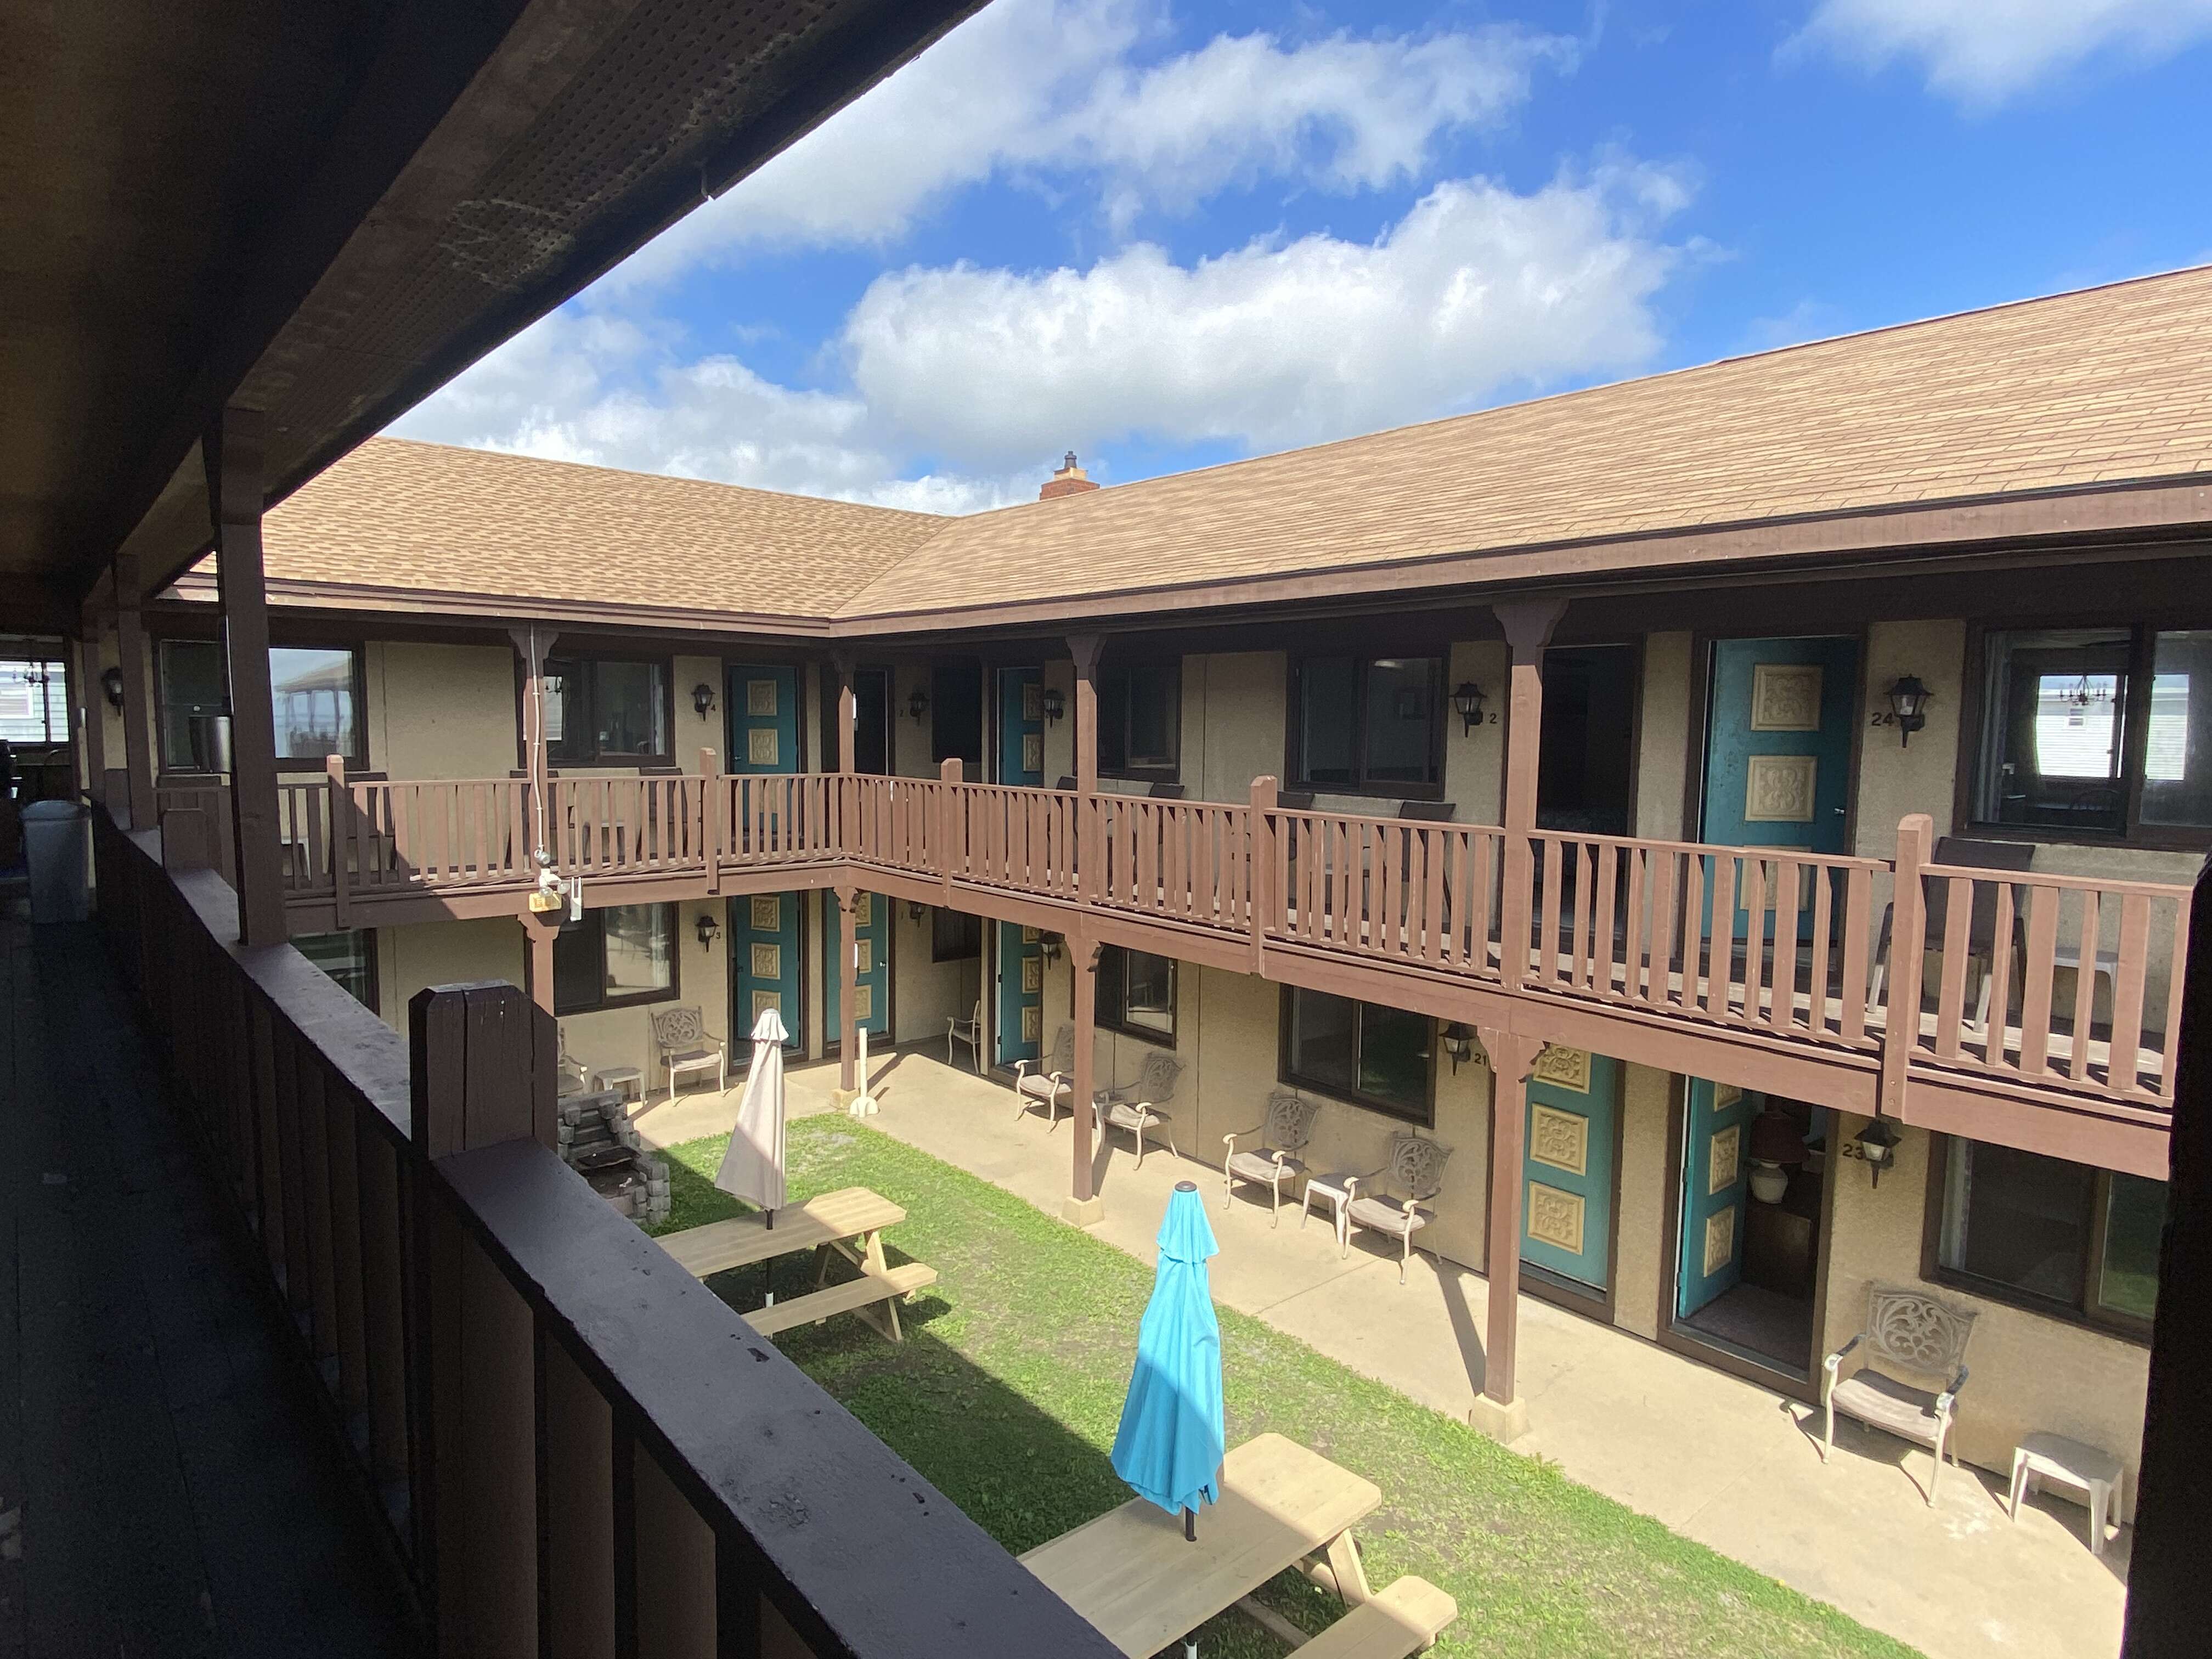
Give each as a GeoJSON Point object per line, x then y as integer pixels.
{"type": "Point", "coordinates": [578, 1448]}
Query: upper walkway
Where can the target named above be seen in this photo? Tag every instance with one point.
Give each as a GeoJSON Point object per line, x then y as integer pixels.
{"type": "Point", "coordinates": [1771, 968]}
{"type": "Point", "coordinates": [177, 1480]}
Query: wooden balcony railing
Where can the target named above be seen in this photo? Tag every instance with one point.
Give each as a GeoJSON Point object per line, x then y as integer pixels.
{"type": "Point", "coordinates": [1777, 945]}
{"type": "Point", "coordinates": [564, 1433]}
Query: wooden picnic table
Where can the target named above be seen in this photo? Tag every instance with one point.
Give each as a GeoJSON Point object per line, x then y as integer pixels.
{"type": "Point", "coordinates": [1133, 1574]}
{"type": "Point", "coordinates": [849, 1222]}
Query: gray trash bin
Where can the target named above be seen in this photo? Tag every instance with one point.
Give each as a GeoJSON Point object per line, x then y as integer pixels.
{"type": "Point", "coordinates": [54, 846]}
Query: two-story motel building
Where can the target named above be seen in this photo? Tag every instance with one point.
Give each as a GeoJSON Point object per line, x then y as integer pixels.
{"type": "Point", "coordinates": [1537, 780]}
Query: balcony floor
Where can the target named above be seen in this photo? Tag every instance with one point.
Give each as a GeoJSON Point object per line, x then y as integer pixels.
{"type": "Point", "coordinates": [178, 1491]}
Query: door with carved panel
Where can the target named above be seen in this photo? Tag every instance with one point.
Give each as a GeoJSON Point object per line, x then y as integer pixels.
{"type": "Point", "coordinates": [871, 932]}
{"type": "Point", "coordinates": [1018, 1029]}
{"type": "Point", "coordinates": [765, 957]}
{"type": "Point", "coordinates": [1566, 1201]}
{"type": "Point", "coordinates": [1716, 1186]}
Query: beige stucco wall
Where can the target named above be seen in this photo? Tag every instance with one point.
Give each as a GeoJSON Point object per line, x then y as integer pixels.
{"type": "Point", "coordinates": [411, 958]}
{"type": "Point", "coordinates": [1474, 760]}
{"type": "Point", "coordinates": [440, 711]}
{"type": "Point", "coordinates": [1664, 722]}
{"type": "Point", "coordinates": [1242, 695]}
{"type": "Point", "coordinates": [2029, 1371]}
{"type": "Point", "coordinates": [1647, 1097]}
{"type": "Point", "coordinates": [1896, 778]}
{"type": "Point", "coordinates": [926, 993]}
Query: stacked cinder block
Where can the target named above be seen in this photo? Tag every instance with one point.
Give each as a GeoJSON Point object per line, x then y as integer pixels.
{"type": "Point", "coordinates": [598, 1141]}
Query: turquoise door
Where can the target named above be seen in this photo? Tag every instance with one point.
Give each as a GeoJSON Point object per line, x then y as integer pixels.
{"type": "Point", "coordinates": [1021, 726]}
{"type": "Point", "coordinates": [1566, 1207]}
{"type": "Point", "coordinates": [765, 962]}
{"type": "Point", "coordinates": [1019, 1027]}
{"type": "Point", "coordinates": [1778, 747]}
{"type": "Point", "coordinates": [1715, 1171]}
{"type": "Point", "coordinates": [762, 703]}
{"type": "Point", "coordinates": [873, 931]}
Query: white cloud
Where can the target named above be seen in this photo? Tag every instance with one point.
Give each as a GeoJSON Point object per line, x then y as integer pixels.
{"type": "Point", "coordinates": [1982, 51]}
{"type": "Point", "coordinates": [1046, 90]}
{"type": "Point", "coordinates": [1477, 290]}
{"type": "Point", "coordinates": [965, 382]}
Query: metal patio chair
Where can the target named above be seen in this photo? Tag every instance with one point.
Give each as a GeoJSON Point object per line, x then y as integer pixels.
{"type": "Point", "coordinates": [1137, 1107]}
{"type": "Point", "coordinates": [1910, 1331]}
{"type": "Point", "coordinates": [1050, 1082]}
{"type": "Point", "coordinates": [1284, 1133]}
{"type": "Point", "coordinates": [1414, 1175]}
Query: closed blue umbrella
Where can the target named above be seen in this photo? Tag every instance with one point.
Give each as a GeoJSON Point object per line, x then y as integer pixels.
{"type": "Point", "coordinates": [1171, 1443]}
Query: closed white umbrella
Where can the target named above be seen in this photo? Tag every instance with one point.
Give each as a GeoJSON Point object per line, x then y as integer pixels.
{"type": "Point", "coordinates": [752, 1169]}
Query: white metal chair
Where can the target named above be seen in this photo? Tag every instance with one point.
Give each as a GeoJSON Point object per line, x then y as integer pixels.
{"type": "Point", "coordinates": [969, 1031]}
{"type": "Point", "coordinates": [1415, 1173]}
{"type": "Point", "coordinates": [1287, 1128]}
{"type": "Point", "coordinates": [1910, 1331]}
{"type": "Point", "coordinates": [679, 1036]}
{"type": "Point", "coordinates": [1137, 1108]}
{"type": "Point", "coordinates": [1049, 1083]}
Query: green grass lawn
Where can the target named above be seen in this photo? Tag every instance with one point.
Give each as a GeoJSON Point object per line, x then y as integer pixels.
{"type": "Point", "coordinates": [1007, 1391]}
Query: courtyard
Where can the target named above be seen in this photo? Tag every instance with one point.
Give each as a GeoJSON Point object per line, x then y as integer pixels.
{"type": "Point", "coordinates": [1654, 1506]}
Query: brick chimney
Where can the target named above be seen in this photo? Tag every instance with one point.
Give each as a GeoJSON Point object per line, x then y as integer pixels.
{"type": "Point", "coordinates": [1070, 480]}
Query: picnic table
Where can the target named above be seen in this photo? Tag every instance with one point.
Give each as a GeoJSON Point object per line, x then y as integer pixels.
{"type": "Point", "coordinates": [848, 1222]}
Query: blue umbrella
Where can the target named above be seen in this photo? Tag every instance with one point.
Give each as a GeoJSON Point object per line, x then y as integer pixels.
{"type": "Point", "coordinates": [1171, 1444]}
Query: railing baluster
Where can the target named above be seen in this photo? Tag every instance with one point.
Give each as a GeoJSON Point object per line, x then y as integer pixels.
{"type": "Point", "coordinates": [2123, 1068]}
{"type": "Point", "coordinates": [1956, 943]}
{"type": "Point", "coordinates": [2036, 980]}
{"type": "Point", "coordinates": [2085, 983]}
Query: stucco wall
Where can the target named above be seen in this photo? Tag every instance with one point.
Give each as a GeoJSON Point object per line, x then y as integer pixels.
{"type": "Point", "coordinates": [443, 953]}
{"type": "Point", "coordinates": [926, 993]}
{"type": "Point", "coordinates": [2029, 1371]}
{"type": "Point", "coordinates": [1242, 737]}
{"type": "Point", "coordinates": [1664, 723]}
{"type": "Point", "coordinates": [1896, 778]}
{"type": "Point", "coordinates": [1647, 1097]}
{"type": "Point", "coordinates": [1474, 760]}
{"type": "Point", "coordinates": [440, 711]}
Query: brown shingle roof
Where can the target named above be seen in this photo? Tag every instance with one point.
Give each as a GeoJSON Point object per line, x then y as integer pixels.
{"type": "Point", "coordinates": [2090, 387]}
{"type": "Point", "coordinates": [397, 514]}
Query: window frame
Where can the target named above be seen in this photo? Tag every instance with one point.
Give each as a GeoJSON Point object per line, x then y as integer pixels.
{"type": "Point", "coordinates": [2090, 1314]}
{"type": "Point", "coordinates": [374, 1000]}
{"type": "Point", "coordinates": [2135, 740]}
{"type": "Point", "coordinates": [51, 671]}
{"type": "Point", "coordinates": [1388, 788]}
{"type": "Point", "coordinates": [556, 757]}
{"type": "Point", "coordinates": [938, 952]}
{"type": "Point", "coordinates": [1172, 667]}
{"type": "Point", "coordinates": [1114, 1015]}
{"type": "Point", "coordinates": [638, 1000]}
{"type": "Point", "coordinates": [356, 759]}
{"type": "Point", "coordinates": [1287, 1073]}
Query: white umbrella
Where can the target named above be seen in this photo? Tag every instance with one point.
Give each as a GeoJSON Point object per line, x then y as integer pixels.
{"type": "Point", "coordinates": [752, 1169]}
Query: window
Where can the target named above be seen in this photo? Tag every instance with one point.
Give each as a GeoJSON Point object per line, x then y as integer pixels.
{"type": "Point", "coordinates": [613, 957]}
{"type": "Point", "coordinates": [1136, 994]}
{"type": "Point", "coordinates": [350, 958]}
{"type": "Point", "coordinates": [955, 712]}
{"type": "Point", "coordinates": [1369, 725]}
{"type": "Point", "coordinates": [605, 709]}
{"type": "Point", "coordinates": [2106, 731]}
{"type": "Point", "coordinates": [1361, 1051]}
{"type": "Point", "coordinates": [954, 935]}
{"type": "Point", "coordinates": [2058, 1236]}
{"type": "Point", "coordinates": [33, 702]}
{"type": "Point", "coordinates": [314, 693]}
{"type": "Point", "coordinates": [1140, 719]}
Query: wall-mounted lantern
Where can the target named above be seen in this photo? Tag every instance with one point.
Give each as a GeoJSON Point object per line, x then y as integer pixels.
{"type": "Point", "coordinates": [917, 704]}
{"type": "Point", "coordinates": [1055, 705]}
{"type": "Point", "coordinates": [1459, 1043]}
{"type": "Point", "coordinates": [702, 699]}
{"type": "Point", "coordinates": [111, 682]}
{"type": "Point", "coordinates": [1908, 701]}
{"type": "Point", "coordinates": [1048, 946]}
{"type": "Point", "coordinates": [1467, 698]}
{"type": "Point", "coordinates": [1877, 1144]}
{"type": "Point", "coordinates": [709, 930]}
{"type": "Point", "coordinates": [915, 909]}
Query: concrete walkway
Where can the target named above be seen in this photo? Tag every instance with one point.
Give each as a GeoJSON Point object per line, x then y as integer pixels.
{"type": "Point", "coordinates": [1718, 1459]}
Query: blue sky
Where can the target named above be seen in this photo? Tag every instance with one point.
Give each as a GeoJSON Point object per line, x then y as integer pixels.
{"type": "Point", "coordinates": [1166, 232]}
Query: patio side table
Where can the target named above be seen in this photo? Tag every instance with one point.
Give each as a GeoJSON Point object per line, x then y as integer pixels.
{"type": "Point", "coordinates": [621, 1080]}
{"type": "Point", "coordinates": [1336, 1188]}
{"type": "Point", "coordinates": [2097, 1472]}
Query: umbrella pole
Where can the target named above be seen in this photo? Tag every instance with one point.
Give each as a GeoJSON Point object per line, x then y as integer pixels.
{"type": "Point", "coordinates": [1190, 1526]}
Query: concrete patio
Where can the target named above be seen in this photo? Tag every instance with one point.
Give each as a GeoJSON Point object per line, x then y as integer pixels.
{"type": "Point", "coordinates": [1718, 1459]}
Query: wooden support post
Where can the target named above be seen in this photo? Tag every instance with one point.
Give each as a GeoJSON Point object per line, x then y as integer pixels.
{"type": "Point", "coordinates": [1500, 1412]}
{"type": "Point", "coordinates": [342, 841]}
{"type": "Point", "coordinates": [1527, 624]}
{"type": "Point", "coordinates": [93, 694]}
{"type": "Point", "coordinates": [841, 664]}
{"type": "Point", "coordinates": [481, 1072]}
{"type": "Point", "coordinates": [952, 846]}
{"type": "Point", "coordinates": [1084, 1206]}
{"type": "Point", "coordinates": [236, 492]}
{"type": "Point", "coordinates": [137, 703]}
{"type": "Point", "coordinates": [713, 834]}
{"type": "Point", "coordinates": [1261, 894]}
{"type": "Point", "coordinates": [2169, 1593]}
{"type": "Point", "coordinates": [539, 930]}
{"type": "Point", "coordinates": [1908, 951]}
{"type": "Point", "coordinates": [531, 644]}
{"type": "Point", "coordinates": [848, 993]}
{"type": "Point", "coordinates": [1090, 864]}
